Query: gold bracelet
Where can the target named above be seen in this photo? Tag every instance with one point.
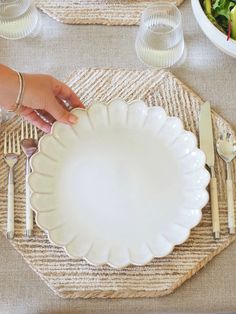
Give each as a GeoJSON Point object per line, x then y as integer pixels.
{"type": "Point", "coordinates": [15, 108]}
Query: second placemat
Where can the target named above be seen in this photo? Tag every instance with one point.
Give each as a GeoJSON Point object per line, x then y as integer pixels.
{"type": "Point", "coordinates": [108, 12]}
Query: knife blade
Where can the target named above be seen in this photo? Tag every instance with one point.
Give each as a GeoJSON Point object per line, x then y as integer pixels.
{"type": "Point", "coordinates": [207, 146]}
{"type": "Point", "coordinates": [206, 134]}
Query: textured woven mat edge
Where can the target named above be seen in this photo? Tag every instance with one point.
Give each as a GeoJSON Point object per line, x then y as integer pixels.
{"type": "Point", "coordinates": [65, 14]}
{"type": "Point", "coordinates": [142, 293]}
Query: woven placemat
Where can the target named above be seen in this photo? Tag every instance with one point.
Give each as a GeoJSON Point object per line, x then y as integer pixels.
{"type": "Point", "coordinates": [71, 278]}
{"type": "Point", "coordinates": [109, 12]}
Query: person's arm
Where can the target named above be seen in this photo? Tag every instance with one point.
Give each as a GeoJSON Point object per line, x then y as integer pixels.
{"type": "Point", "coordinates": [41, 92]}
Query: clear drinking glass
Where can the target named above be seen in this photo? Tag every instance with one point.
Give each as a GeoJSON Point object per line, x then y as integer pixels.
{"type": "Point", "coordinates": [160, 40]}
{"type": "Point", "coordinates": [18, 19]}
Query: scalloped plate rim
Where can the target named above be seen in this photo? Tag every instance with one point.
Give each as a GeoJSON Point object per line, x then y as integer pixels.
{"type": "Point", "coordinates": [130, 262]}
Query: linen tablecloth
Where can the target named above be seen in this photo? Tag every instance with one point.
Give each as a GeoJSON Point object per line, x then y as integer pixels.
{"type": "Point", "coordinates": [63, 48]}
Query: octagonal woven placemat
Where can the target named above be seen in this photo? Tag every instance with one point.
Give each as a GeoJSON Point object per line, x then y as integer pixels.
{"type": "Point", "coordinates": [71, 278]}
{"type": "Point", "coordinates": [109, 12]}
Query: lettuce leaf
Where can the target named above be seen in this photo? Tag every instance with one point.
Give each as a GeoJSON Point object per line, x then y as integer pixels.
{"type": "Point", "coordinates": [222, 14]}
{"type": "Point", "coordinates": [223, 7]}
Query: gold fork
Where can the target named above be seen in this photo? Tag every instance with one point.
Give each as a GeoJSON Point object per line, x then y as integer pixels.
{"type": "Point", "coordinates": [11, 155]}
{"type": "Point", "coordinates": [29, 145]}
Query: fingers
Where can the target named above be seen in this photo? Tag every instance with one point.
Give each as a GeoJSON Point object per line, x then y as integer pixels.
{"type": "Point", "coordinates": [63, 91]}
{"type": "Point", "coordinates": [60, 113]}
{"type": "Point", "coordinates": [33, 118]}
{"type": "Point", "coordinates": [45, 116]}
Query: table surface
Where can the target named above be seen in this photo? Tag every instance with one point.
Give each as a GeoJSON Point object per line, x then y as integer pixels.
{"type": "Point", "coordinates": [59, 50]}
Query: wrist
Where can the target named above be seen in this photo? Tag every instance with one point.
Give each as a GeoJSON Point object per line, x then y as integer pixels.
{"type": "Point", "coordinates": [9, 87]}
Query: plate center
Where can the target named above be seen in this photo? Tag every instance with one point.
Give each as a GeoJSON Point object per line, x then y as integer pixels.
{"type": "Point", "coordinates": [119, 185]}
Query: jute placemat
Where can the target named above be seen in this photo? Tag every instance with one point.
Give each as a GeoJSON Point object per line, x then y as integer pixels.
{"type": "Point", "coordinates": [109, 12]}
{"type": "Point", "coordinates": [71, 278]}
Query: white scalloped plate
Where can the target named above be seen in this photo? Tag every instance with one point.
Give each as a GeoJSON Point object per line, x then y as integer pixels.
{"type": "Point", "coordinates": [123, 185]}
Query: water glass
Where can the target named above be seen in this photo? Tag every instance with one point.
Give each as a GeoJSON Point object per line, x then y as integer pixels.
{"type": "Point", "coordinates": [18, 19]}
{"type": "Point", "coordinates": [160, 41]}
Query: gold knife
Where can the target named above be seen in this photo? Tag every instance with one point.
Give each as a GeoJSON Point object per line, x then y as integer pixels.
{"type": "Point", "coordinates": [207, 145]}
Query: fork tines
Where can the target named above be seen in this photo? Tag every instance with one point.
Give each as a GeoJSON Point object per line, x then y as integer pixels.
{"type": "Point", "coordinates": [28, 131]}
{"type": "Point", "coordinates": [11, 143]}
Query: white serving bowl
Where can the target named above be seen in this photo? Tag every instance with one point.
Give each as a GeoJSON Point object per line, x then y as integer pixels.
{"type": "Point", "coordinates": [218, 38]}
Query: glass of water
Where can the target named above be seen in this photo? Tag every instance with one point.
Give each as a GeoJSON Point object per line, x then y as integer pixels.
{"type": "Point", "coordinates": [18, 19]}
{"type": "Point", "coordinates": [160, 40]}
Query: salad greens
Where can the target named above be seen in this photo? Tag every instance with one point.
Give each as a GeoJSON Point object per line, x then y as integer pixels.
{"type": "Point", "coordinates": [222, 13]}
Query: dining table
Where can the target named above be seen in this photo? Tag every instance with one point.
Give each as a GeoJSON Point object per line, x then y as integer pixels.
{"type": "Point", "coordinates": [60, 49]}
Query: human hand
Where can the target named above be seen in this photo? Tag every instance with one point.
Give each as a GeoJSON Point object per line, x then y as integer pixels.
{"type": "Point", "coordinates": [42, 93]}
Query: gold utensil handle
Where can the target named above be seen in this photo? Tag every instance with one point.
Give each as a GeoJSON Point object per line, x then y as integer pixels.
{"type": "Point", "coordinates": [215, 208]}
{"type": "Point", "coordinates": [230, 201]}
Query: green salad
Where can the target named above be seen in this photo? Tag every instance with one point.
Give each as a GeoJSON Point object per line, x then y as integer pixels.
{"type": "Point", "coordinates": [222, 13]}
